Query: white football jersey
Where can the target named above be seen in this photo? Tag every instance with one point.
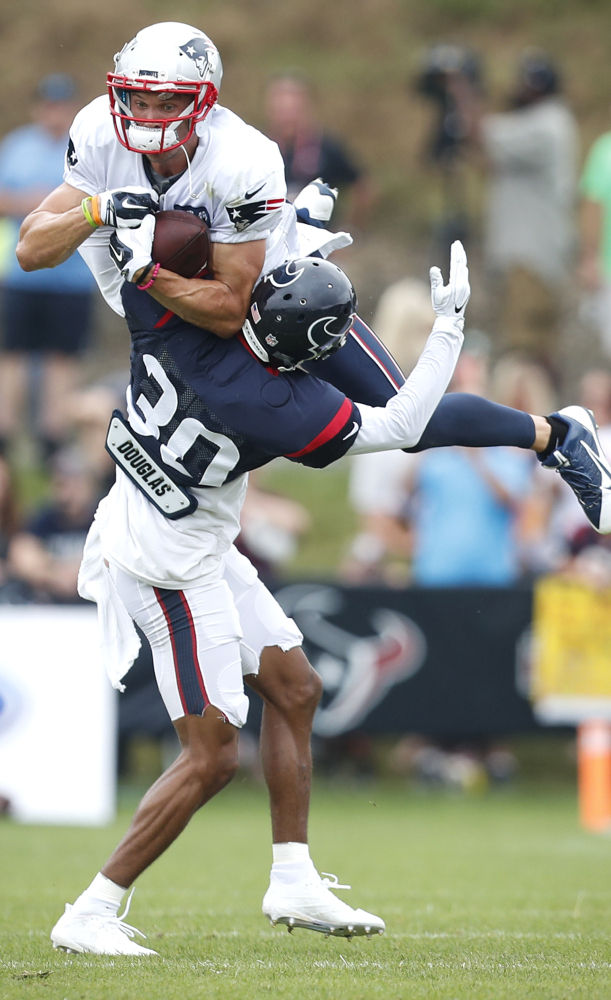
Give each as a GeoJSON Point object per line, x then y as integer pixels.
{"type": "Point", "coordinates": [235, 182]}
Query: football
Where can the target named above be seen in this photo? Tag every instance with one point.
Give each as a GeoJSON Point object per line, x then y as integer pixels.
{"type": "Point", "coordinates": [181, 243]}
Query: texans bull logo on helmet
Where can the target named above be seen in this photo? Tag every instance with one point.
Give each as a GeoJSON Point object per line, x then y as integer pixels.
{"type": "Point", "coordinates": [244, 213]}
{"type": "Point", "coordinates": [202, 53]}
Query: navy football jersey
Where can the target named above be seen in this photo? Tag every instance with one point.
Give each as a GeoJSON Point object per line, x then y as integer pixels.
{"type": "Point", "coordinates": [207, 409]}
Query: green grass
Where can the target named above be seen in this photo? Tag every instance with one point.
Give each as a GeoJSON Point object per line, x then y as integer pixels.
{"type": "Point", "coordinates": [501, 897]}
{"type": "Point", "coordinates": [324, 492]}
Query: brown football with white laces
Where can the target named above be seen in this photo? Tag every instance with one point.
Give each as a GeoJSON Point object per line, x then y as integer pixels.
{"type": "Point", "coordinates": [181, 243]}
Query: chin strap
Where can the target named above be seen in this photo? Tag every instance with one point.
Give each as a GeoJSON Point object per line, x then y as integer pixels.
{"type": "Point", "coordinates": [192, 194]}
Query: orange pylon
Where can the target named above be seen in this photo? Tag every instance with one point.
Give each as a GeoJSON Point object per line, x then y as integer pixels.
{"type": "Point", "coordinates": [594, 774]}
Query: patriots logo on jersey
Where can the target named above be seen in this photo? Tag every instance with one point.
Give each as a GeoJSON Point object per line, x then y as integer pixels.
{"type": "Point", "coordinates": [200, 51]}
{"type": "Point", "coordinates": [198, 210]}
{"type": "Point", "coordinates": [244, 213]}
{"type": "Point", "coordinates": [71, 157]}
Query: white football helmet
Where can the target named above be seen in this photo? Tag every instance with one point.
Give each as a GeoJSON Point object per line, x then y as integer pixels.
{"type": "Point", "coordinates": [166, 58]}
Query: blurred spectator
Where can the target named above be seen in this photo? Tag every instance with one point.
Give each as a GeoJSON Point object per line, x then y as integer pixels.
{"type": "Point", "coordinates": [403, 319]}
{"type": "Point", "coordinates": [89, 411]}
{"type": "Point", "coordinates": [43, 312]}
{"type": "Point", "coordinates": [453, 510]}
{"type": "Point", "coordinates": [531, 152]}
{"type": "Point", "coordinates": [465, 502]}
{"type": "Point", "coordinates": [309, 151]}
{"type": "Point", "coordinates": [523, 385]}
{"type": "Point", "coordinates": [8, 520]}
{"type": "Point", "coordinates": [472, 368]}
{"type": "Point", "coordinates": [46, 554]}
{"type": "Point", "coordinates": [271, 527]}
{"type": "Point", "coordinates": [378, 482]}
{"type": "Point", "coordinates": [441, 65]}
{"type": "Point", "coordinates": [378, 493]}
{"type": "Point", "coordinates": [464, 512]}
{"type": "Point", "coordinates": [467, 767]}
{"type": "Point", "coordinates": [526, 385]}
{"type": "Point", "coordinates": [595, 231]}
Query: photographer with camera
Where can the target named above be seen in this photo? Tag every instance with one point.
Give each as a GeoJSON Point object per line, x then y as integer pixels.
{"type": "Point", "coordinates": [444, 69]}
{"type": "Point", "coordinates": [530, 153]}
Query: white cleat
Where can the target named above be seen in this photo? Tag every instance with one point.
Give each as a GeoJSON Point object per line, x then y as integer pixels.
{"type": "Point", "coordinates": [311, 905]}
{"type": "Point", "coordinates": [97, 935]}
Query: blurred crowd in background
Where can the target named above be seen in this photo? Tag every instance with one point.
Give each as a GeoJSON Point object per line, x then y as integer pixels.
{"type": "Point", "coordinates": [454, 517]}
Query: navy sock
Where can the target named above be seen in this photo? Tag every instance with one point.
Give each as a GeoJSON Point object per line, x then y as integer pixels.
{"type": "Point", "coordinates": [558, 433]}
{"type": "Point", "coordinates": [475, 422]}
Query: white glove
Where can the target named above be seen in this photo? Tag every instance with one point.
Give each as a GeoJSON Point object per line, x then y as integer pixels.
{"type": "Point", "coordinates": [315, 202]}
{"type": "Point", "coordinates": [132, 249]}
{"type": "Point", "coordinates": [451, 300]}
{"type": "Point", "coordinates": [124, 208]}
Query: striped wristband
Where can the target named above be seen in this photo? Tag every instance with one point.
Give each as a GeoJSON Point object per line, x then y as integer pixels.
{"type": "Point", "coordinates": [86, 206]}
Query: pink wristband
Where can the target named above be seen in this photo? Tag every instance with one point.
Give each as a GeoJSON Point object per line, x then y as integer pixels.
{"type": "Point", "coordinates": [143, 288]}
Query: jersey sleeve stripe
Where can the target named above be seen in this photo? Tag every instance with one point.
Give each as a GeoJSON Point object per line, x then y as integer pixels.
{"type": "Point", "coordinates": [376, 350]}
{"type": "Point", "coordinates": [167, 316]}
{"type": "Point", "coordinates": [339, 421]}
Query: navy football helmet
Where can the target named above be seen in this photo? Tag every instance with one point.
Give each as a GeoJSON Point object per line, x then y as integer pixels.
{"type": "Point", "coordinates": [301, 311]}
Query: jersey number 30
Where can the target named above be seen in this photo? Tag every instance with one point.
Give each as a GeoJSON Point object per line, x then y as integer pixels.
{"type": "Point", "coordinates": [185, 435]}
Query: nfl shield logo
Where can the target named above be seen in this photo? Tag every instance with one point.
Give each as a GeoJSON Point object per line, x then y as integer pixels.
{"type": "Point", "coordinates": [271, 340]}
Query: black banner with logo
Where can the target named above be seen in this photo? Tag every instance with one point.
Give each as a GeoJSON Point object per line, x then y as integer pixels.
{"type": "Point", "coordinates": [437, 662]}
{"type": "Point", "coordinates": [443, 663]}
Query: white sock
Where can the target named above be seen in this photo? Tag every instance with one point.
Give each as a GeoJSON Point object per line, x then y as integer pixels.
{"type": "Point", "coordinates": [102, 898]}
{"type": "Point", "coordinates": [292, 862]}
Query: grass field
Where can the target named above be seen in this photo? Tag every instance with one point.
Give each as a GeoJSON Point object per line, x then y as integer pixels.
{"type": "Point", "coordinates": [500, 897]}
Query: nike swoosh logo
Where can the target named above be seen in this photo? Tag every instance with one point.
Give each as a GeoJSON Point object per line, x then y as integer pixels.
{"type": "Point", "coordinates": [604, 475]}
{"type": "Point", "coordinates": [251, 194]}
{"type": "Point", "coordinates": [458, 309]}
{"type": "Point", "coordinates": [355, 428]}
{"type": "Point", "coordinates": [115, 252]}
{"type": "Point", "coordinates": [126, 203]}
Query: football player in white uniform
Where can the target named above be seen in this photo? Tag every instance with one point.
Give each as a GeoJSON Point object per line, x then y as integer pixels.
{"type": "Point", "coordinates": [159, 139]}
{"type": "Point", "coordinates": [202, 412]}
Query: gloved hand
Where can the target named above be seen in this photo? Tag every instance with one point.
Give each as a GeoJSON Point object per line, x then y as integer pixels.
{"type": "Point", "coordinates": [131, 249]}
{"type": "Point", "coordinates": [451, 300]}
{"type": "Point", "coordinates": [124, 208]}
{"type": "Point", "coordinates": [315, 203]}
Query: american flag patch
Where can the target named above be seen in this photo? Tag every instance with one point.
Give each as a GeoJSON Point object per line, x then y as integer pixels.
{"type": "Point", "coordinates": [256, 315]}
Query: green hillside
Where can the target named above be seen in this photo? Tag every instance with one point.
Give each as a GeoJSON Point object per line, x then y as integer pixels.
{"type": "Point", "coordinates": [361, 54]}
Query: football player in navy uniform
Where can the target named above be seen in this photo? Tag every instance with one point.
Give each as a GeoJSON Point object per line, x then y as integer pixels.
{"type": "Point", "coordinates": [222, 382]}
